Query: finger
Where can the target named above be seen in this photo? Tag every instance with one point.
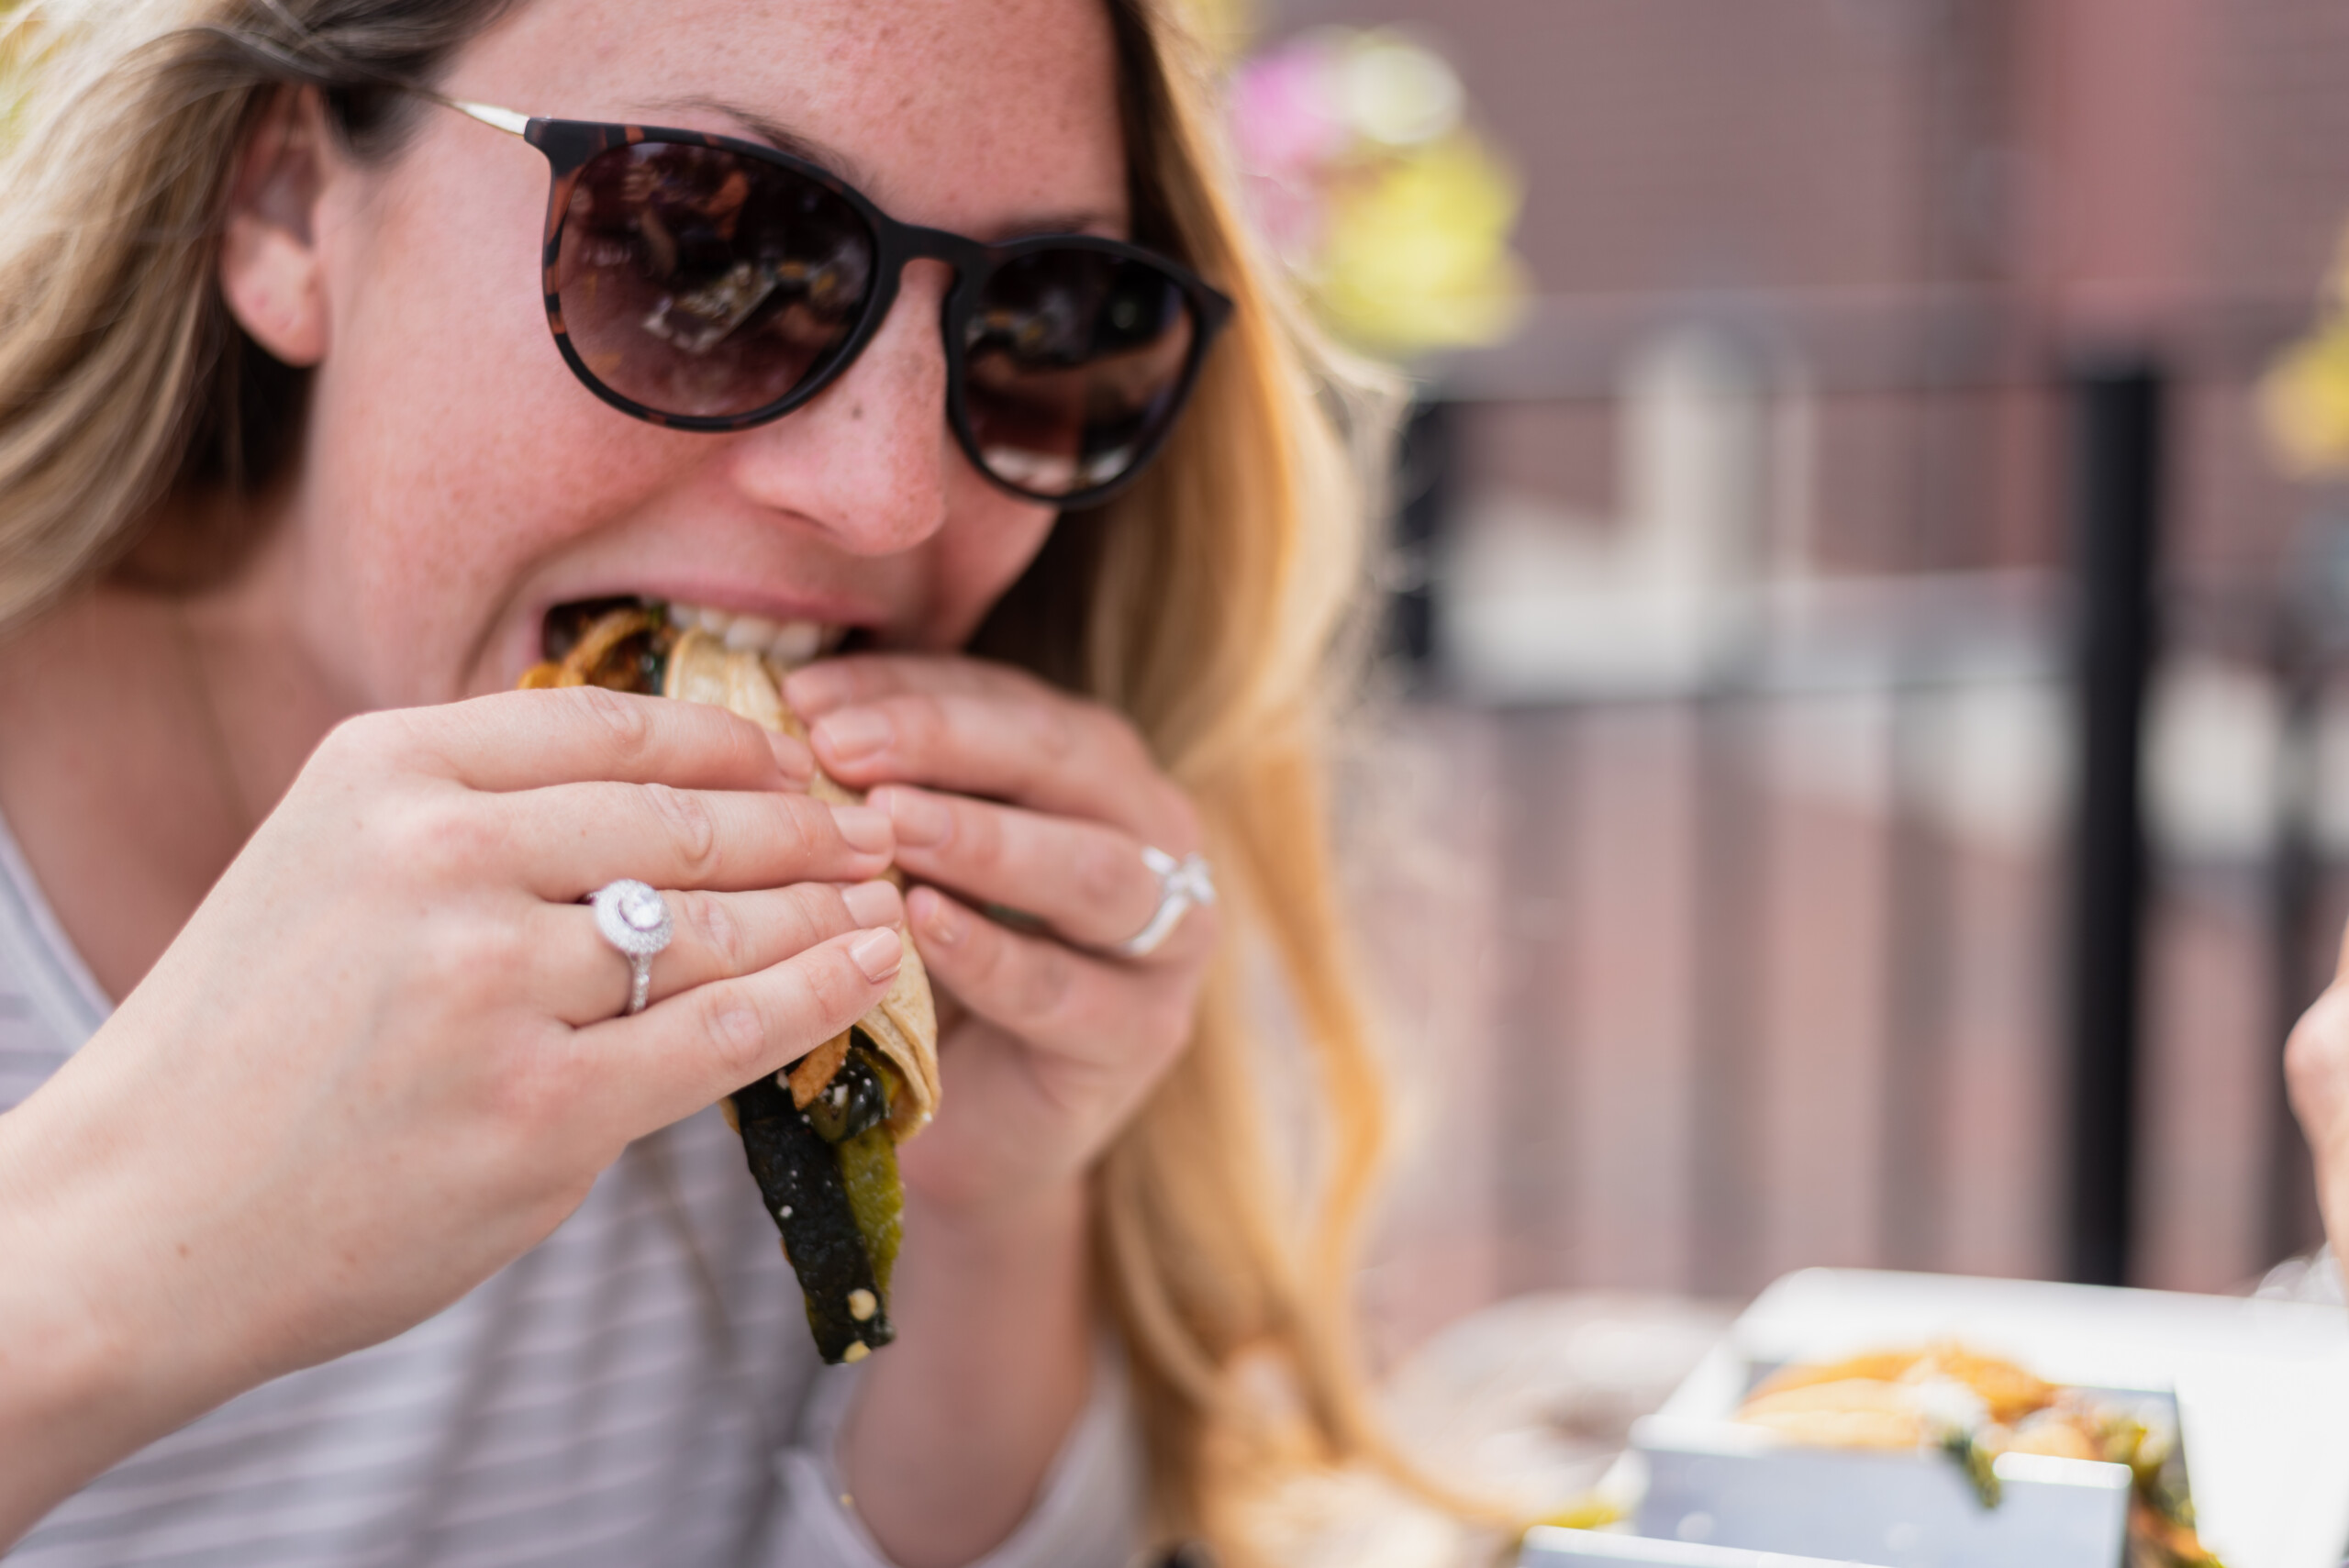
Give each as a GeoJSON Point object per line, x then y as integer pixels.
{"type": "Point", "coordinates": [516, 741]}
{"type": "Point", "coordinates": [1077, 1006]}
{"type": "Point", "coordinates": [573, 839]}
{"type": "Point", "coordinates": [668, 1061]}
{"type": "Point", "coordinates": [2316, 1071]}
{"type": "Point", "coordinates": [718, 935]}
{"type": "Point", "coordinates": [1089, 883]}
{"type": "Point", "coordinates": [1047, 752]}
{"type": "Point", "coordinates": [816, 689]}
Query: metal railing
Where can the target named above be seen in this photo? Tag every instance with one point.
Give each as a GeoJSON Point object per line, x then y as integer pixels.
{"type": "Point", "coordinates": [1730, 661]}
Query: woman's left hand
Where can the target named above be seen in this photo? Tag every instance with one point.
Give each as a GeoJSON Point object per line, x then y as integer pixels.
{"type": "Point", "coordinates": [1008, 794]}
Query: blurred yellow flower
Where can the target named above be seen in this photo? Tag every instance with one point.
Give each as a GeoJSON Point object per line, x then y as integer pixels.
{"type": "Point", "coordinates": [2304, 397]}
{"type": "Point", "coordinates": [1417, 252]}
{"type": "Point", "coordinates": [1392, 214]}
{"type": "Point", "coordinates": [2305, 401]}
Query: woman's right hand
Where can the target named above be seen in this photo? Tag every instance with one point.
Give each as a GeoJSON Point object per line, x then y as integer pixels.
{"type": "Point", "coordinates": [383, 1057]}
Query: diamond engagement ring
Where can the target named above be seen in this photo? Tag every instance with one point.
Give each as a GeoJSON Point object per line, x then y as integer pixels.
{"type": "Point", "coordinates": [634, 918]}
{"type": "Point", "coordinates": [1181, 884]}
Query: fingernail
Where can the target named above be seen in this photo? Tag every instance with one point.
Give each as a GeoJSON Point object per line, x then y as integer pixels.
{"type": "Point", "coordinates": [791, 755]}
{"type": "Point", "coordinates": [876, 953]}
{"type": "Point", "coordinates": [865, 828]}
{"type": "Point", "coordinates": [918, 818]}
{"type": "Point", "coordinates": [940, 921]}
{"type": "Point", "coordinates": [873, 904]}
{"type": "Point", "coordinates": [853, 732]}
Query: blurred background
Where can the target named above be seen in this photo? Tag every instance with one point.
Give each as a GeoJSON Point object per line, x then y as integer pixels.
{"type": "Point", "coordinates": [1863, 771]}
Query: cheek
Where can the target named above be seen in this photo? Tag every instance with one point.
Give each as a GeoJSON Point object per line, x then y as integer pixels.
{"type": "Point", "coordinates": [987, 543]}
{"type": "Point", "coordinates": [449, 446]}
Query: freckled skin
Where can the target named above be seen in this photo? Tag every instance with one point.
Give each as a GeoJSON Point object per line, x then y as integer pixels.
{"type": "Point", "coordinates": [461, 480]}
{"type": "Point", "coordinates": [457, 481]}
{"type": "Point", "coordinates": [454, 482]}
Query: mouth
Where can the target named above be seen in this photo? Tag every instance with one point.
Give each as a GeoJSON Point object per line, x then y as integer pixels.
{"type": "Point", "coordinates": [787, 642]}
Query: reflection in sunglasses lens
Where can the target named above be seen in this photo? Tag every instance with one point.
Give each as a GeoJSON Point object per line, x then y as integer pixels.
{"type": "Point", "coordinates": [1073, 364]}
{"type": "Point", "coordinates": [697, 282]}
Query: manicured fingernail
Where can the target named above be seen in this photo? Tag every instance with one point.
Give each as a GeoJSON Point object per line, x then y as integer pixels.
{"type": "Point", "coordinates": [940, 921]}
{"type": "Point", "coordinates": [873, 904]}
{"type": "Point", "coordinates": [878, 953]}
{"type": "Point", "coordinates": [791, 755]}
{"type": "Point", "coordinates": [852, 732]}
{"type": "Point", "coordinates": [865, 828]}
{"type": "Point", "coordinates": [918, 818]}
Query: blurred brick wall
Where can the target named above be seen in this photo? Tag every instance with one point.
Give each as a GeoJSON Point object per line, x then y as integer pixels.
{"type": "Point", "coordinates": [2171, 174]}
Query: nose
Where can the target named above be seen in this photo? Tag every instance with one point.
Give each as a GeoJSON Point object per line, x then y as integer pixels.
{"type": "Point", "coordinates": [869, 458]}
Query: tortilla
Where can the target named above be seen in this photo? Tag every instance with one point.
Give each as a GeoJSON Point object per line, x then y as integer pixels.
{"type": "Point", "coordinates": [821, 1135]}
{"type": "Point", "coordinates": [904, 1023]}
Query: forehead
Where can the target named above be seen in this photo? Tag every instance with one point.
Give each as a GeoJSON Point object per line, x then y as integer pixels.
{"type": "Point", "coordinates": [981, 116]}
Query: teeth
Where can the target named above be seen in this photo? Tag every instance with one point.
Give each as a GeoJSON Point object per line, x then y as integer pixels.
{"type": "Point", "coordinates": [750, 633]}
{"type": "Point", "coordinates": [796, 641]}
{"type": "Point", "coordinates": [786, 642]}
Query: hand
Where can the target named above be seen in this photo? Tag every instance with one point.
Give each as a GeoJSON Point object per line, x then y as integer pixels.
{"type": "Point", "coordinates": [382, 1059]}
{"type": "Point", "coordinates": [2316, 1068]}
{"type": "Point", "coordinates": [1002, 792]}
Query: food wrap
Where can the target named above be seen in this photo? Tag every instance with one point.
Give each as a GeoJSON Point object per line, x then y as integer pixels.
{"type": "Point", "coordinates": [904, 1023]}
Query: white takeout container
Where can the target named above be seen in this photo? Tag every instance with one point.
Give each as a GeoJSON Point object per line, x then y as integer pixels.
{"type": "Point", "coordinates": [1722, 1482]}
{"type": "Point", "coordinates": [2262, 1389]}
{"type": "Point", "coordinates": [1548, 1547]}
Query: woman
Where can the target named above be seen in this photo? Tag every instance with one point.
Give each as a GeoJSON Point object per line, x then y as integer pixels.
{"type": "Point", "coordinates": [334, 1139]}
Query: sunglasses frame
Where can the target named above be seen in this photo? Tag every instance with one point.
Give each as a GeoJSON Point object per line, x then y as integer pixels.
{"type": "Point", "coordinates": [570, 145]}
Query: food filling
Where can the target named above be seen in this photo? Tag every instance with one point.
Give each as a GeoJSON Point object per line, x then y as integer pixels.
{"type": "Point", "coordinates": [1974, 1407]}
{"type": "Point", "coordinates": [828, 1171]}
{"type": "Point", "coordinates": [821, 1135]}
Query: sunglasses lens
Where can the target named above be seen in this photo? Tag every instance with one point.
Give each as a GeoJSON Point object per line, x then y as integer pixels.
{"type": "Point", "coordinates": [697, 282]}
{"type": "Point", "coordinates": [1074, 364]}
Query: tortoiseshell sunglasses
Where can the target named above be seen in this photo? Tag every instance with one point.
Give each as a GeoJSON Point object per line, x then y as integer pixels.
{"type": "Point", "coordinates": [710, 284]}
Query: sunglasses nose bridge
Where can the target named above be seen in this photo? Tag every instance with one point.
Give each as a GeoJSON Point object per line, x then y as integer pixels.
{"type": "Point", "coordinates": [916, 244]}
{"type": "Point", "coordinates": [888, 287]}
{"type": "Point", "coordinates": [967, 263]}
{"type": "Point", "coordinates": [964, 260]}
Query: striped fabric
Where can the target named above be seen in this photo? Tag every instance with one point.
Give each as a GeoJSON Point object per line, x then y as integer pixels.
{"type": "Point", "coordinates": [638, 1390]}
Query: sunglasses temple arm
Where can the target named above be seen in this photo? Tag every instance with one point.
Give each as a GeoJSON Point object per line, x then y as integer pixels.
{"type": "Point", "coordinates": [490, 114]}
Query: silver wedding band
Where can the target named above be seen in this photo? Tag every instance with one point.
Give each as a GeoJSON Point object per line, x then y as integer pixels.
{"type": "Point", "coordinates": [634, 918]}
{"type": "Point", "coordinates": [1181, 886]}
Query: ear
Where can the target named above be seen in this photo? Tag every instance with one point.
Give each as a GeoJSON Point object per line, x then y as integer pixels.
{"type": "Point", "coordinates": [271, 270]}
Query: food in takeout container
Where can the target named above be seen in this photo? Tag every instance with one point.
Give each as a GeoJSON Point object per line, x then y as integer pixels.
{"type": "Point", "coordinates": [1855, 1416]}
{"type": "Point", "coordinates": [1971, 1410]}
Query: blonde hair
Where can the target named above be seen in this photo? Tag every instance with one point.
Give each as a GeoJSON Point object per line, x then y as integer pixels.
{"type": "Point", "coordinates": [1210, 604]}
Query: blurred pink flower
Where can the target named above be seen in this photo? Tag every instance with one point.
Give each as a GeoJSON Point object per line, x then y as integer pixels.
{"type": "Point", "coordinates": [1392, 216]}
{"type": "Point", "coordinates": [1285, 119]}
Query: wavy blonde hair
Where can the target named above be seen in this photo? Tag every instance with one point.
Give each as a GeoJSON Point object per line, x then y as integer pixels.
{"type": "Point", "coordinates": [1210, 603]}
